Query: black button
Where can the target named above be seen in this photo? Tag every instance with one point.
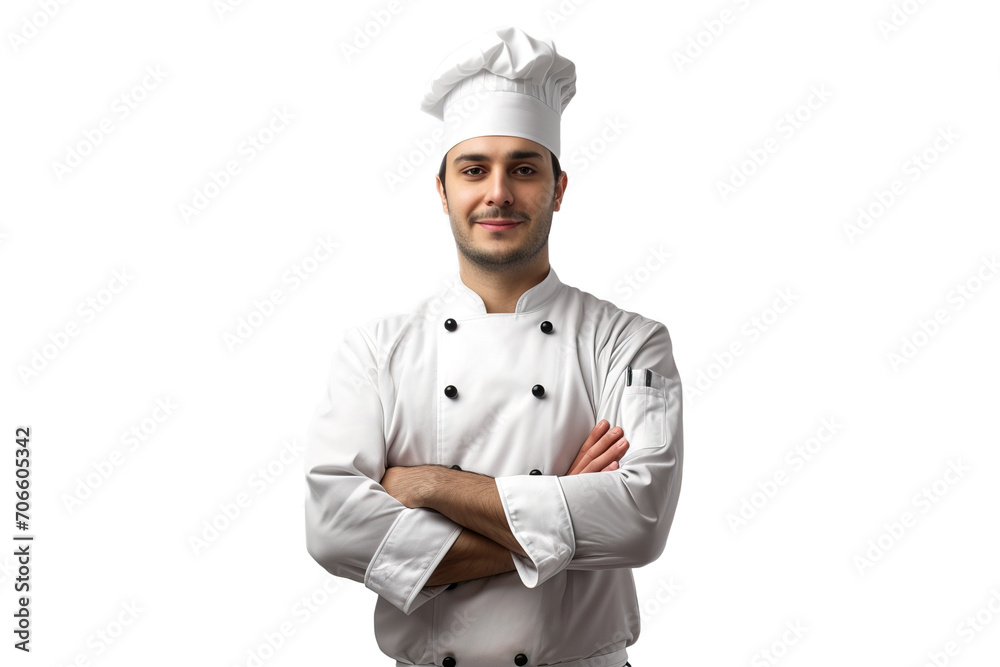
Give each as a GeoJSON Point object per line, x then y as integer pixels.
{"type": "Point", "coordinates": [449, 662]}
{"type": "Point", "coordinates": [456, 467]}
{"type": "Point", "coordinates": [546, 329]}
{"type": "Point", "coordinates": [450, 324]}
{"type": "Point", "coordinates": [538, 390]}
{"type": "Point", "coordinates": [520, 659]}
{"type": "Point", "coordinates": [536, 471]}
{"type": "Point", "coordinates": [451, 586]}
{"type": "Point", "coordinates": [450, 391]}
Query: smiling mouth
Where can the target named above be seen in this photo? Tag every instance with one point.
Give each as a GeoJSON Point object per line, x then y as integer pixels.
{"type": "Point", "coordinates": [498, 224]}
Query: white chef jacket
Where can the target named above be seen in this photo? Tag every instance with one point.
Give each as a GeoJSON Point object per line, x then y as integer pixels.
{"type": "Point", "coordinates": [572, 600]}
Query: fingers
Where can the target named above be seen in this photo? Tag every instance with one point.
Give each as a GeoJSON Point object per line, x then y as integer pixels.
{"type": "Point", "coordinates": [611, 455]}
{"type": "Point", "coordinates": [607, 441]}
{"type": "Point", "coordinates": [582, 457]}
{"type": "Point", "coordinates": [602, 451]}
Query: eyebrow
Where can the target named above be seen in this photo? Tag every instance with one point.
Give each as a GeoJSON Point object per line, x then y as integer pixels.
{"type": "Point", "coordinates": [512, 155]}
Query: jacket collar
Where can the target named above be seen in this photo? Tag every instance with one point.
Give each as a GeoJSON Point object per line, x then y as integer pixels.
{"type": "Point", "coordinates": [462, 300]}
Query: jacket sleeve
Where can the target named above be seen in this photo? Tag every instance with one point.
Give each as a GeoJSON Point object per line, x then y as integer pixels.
{"type": "Point", "coordinates": [354, 528]}
{"type": "Point", "coordinates": [613, 519]}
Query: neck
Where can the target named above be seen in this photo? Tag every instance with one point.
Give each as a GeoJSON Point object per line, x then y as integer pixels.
{"type": "Point", "coordinates": [501, 289]}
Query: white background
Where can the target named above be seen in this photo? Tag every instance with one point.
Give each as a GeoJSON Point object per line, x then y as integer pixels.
{"type": "Point", "coordinates": [647, 141]}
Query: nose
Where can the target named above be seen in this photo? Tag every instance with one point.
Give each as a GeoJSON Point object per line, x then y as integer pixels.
{"type": "Point", "coordinates": [499, 192]}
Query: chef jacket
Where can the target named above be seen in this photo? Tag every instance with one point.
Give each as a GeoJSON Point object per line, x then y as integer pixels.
{"type": "Point", "coordinates": [513, 396]}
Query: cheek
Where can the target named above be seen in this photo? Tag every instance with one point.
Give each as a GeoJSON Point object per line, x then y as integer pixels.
{"type": "Point", "coordinates": [462, 203]}
{"type": "Point", "coordinates": [535, 199]}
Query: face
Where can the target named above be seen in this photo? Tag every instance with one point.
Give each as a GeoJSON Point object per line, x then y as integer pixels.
{"type": "Point", "coordinates": [501, 194]}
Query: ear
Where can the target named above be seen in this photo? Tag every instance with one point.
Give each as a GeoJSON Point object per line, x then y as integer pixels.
{"type": "Point", "coordinates": [560, 190]}
{"type": "Point", "coordinates": [440, 189]}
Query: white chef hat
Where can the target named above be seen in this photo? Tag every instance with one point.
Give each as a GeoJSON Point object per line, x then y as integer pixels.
{"type": "Point", "coordinates": [504, 83]}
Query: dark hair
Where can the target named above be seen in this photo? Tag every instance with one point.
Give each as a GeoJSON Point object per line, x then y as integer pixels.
{"type": "Point", "coordinates": [556, 169]}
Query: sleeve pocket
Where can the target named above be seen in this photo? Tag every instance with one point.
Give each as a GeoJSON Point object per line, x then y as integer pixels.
{"type": "Point", "coordinates": [644, 410]}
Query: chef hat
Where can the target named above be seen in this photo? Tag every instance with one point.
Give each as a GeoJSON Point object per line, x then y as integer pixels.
{"type": "Point", "coordinates": [504, 83]}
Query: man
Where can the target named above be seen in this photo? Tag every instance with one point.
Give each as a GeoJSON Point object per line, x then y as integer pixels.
{"type": "Point", "coordinates": [453, 466]}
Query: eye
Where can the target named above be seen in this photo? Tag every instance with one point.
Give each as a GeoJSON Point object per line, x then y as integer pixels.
{"type": "Point", "coordinates": [528, 173]}
{"type": "Point", "coordinates": [471, 169]}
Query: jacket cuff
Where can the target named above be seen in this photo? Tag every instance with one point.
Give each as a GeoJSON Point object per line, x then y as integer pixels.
{"type": "Point", "coordinates": [416, 543]}
{"type": "Point", "coordinates": [539, 519]}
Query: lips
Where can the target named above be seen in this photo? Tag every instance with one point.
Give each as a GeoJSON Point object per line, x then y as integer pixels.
{"type": "Point", "coordinates": [498, 224]}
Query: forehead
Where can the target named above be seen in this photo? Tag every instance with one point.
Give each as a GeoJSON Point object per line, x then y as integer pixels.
{"type": "Point", "coordinates": [497, 148]}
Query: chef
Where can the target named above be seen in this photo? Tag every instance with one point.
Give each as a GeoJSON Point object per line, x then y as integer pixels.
{"type": "Point", "coordinates": [493, 464]}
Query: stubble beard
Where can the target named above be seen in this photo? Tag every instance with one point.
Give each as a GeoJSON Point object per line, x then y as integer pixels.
{"type": "Point", "coordinates": [503, 260]}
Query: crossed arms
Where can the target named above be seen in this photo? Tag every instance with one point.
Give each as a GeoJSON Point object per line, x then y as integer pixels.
{"type": "Point", "coordinates": [472, 501]}
{"type": "Point", "coordinates": [425, 526]}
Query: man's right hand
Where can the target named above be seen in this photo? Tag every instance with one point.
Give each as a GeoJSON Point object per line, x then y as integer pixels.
{"type": "Point", "coordinates": [603, 449]}
{"type": "Point", "coordinates": [474, 556]}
